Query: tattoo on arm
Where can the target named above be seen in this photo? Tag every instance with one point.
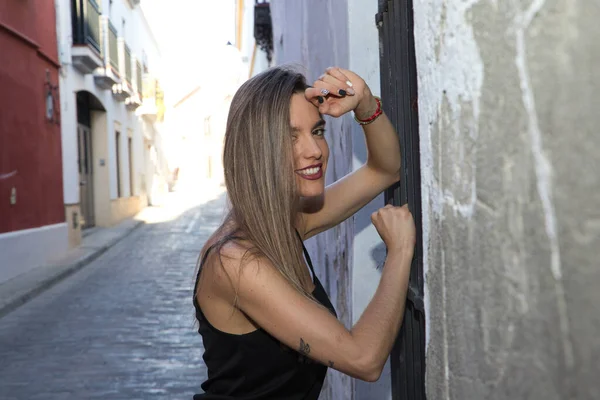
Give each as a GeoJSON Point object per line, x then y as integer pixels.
{"type": "Point", "coordinates": [330, 364]}
{"type": "Point", "coordinates": [304, 347]}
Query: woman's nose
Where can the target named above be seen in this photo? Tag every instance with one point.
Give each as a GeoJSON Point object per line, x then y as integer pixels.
{"type": "Point", "coordinates": [311, 149]}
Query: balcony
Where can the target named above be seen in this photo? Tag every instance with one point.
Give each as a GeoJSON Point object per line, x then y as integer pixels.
{"type": "Point", "coordinates": [86, 51]}
{"type": "Point", "coordinates": [107, 75]}
{"type": "Point", "coordinates": [123, 90]}
{"type": "Point", "coordinates": [152, 108]}
{"type": "Point", "coordinates": [135, 100]}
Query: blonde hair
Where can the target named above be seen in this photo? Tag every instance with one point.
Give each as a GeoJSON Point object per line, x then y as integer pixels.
{"type": "Point", "coordinates": [259, 174]}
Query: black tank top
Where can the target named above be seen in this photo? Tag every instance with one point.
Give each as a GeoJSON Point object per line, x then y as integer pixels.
{"type": "Point", "coordinates": [255, 365]}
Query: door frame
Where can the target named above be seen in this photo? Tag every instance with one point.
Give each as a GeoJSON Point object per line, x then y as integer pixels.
{"type": "Point", "coordinates": [399, 96]}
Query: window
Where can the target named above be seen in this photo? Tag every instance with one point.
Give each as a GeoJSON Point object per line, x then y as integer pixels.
{"type": "Point", "coordinates": [145, 61]}
{"type": "Point", "coordinates": [131, 169]}
{"type": "Point", "coordinates": [118, 157]}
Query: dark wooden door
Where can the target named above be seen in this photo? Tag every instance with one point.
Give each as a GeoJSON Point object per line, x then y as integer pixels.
{"type": "Point", "coordinates": [86, 176]}
{"type": "Point", "coordinates": [399, 95]}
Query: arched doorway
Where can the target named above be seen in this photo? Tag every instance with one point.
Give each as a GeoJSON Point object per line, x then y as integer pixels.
{"type": "Point", "coordinates": [86, 103]}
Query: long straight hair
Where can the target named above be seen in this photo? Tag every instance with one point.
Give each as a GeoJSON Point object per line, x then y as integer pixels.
{"type": "Point", "coordinates": [259, 174]}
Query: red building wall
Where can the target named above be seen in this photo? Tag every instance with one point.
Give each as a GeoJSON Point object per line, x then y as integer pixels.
{"type": "Point", "coordinates": [30, 144]}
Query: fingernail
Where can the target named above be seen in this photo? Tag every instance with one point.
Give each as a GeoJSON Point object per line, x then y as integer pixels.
{"type": "Point", "coordinates": [349, 83]}
{"type": "Point", "coordinates": [351, 91]}
{"type": "Point", "coordinates": [320, 99]}
{"type": "Point", "coordinates": [342, 92]}
{"type": "Point", "coordinates": [324, 92]}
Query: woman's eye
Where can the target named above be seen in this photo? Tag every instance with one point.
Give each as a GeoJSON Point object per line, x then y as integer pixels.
{"type": "Point", "coordinates": [319, 132]}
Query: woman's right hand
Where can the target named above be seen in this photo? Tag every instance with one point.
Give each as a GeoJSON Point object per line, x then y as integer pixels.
{"type": "Point", "coordinates": [396, 227]}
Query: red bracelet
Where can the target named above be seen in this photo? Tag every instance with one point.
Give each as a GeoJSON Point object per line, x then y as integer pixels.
{"type": "Point", "coordinates": [373, 117]}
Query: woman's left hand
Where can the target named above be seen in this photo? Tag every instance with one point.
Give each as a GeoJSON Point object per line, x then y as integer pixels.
{"type": "Point", "coordinates": [338, 91]}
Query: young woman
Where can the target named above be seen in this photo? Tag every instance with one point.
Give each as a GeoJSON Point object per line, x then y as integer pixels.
{"type": "Point", "coordinates": [268, 327]}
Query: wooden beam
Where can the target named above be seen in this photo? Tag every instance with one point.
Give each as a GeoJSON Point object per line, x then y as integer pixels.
{"type": "Point", "coordinates": [239, 24]}
{"type": "Point", "coordinates": [252, 61]}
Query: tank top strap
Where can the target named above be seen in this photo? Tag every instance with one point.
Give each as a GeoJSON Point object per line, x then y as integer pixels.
{"type": "Point", "coordinates": [307, 256]}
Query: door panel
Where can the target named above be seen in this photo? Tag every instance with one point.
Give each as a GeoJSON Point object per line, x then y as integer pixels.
{"type": "Point", "coordinates": [86, 177]}
{"type": "Point", "coordinates": [399, 95]}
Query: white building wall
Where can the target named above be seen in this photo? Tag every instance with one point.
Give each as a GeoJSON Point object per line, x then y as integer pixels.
{"type": "Point", "coordinates": [130, 23]}
{"type": "Point", "coordinates": [369, 250]}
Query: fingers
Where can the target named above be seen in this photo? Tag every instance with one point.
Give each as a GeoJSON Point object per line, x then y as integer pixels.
{"type": "Point", "coordinates": [334, 82]}
{"type": "Point", "coordinates": [338, 87]}
{"type": "Point", "coordinates": [343, 77]}
{"type": "Point", "coordinates": [330, 86]}
{"type": "Point", "coordinates": [316, 96]}
{"type": "Point", "coordinates": [349, 74]}
{"type": "Point", "coordinates": [402, 209]}
{"type": "Point", "coordinates": [328, 92]}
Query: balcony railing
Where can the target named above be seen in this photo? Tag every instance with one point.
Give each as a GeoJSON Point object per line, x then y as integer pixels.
{"type": "Point", "coordinates": [148, 87]}
{"type": "Point", "coordinates": [153, 106]}
{"type": "Point", "coordinates": [86, 23]}
{"type": "Point", "coordinates": [113, 45]}
{"type": "Point", "coordinates": [123, 89]}
{"type": "Point", "coordinates": [128, 65]}
{"type": "Point", "coordinates": [106, 75]}
{"type": "Point", "coordinates": [139, 84]}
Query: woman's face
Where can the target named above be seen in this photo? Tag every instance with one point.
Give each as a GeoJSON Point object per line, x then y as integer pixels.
{"type": "Point", "coordinates": [311, 151]}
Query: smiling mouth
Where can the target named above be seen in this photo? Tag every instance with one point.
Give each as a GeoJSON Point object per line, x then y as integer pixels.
{"type": "Point", "coordinates": [311, 173]}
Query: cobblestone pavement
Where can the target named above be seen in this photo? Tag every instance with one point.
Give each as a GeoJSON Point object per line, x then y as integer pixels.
{"type": "Point", "coordinates": [121, 328]}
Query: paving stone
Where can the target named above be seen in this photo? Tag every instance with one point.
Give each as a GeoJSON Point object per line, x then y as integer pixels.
{"type": "Point", "coordinates": [122, 327]}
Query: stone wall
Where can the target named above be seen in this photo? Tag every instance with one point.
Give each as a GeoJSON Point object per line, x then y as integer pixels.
{"type": "Point", "coordinates": [508, 102]}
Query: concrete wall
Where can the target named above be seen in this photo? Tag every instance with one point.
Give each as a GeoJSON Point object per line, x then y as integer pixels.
{"type": "Point", "coordinates": [508, 103]}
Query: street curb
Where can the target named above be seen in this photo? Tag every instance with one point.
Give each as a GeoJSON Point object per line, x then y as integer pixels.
{"type": "Point", "coordinates": [61, 272]}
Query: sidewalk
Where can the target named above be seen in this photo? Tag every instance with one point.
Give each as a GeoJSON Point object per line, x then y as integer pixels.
{"type": "Point", "coordinates": [23, 288]}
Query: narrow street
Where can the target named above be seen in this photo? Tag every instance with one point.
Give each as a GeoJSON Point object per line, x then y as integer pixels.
{"type": "Point", "coordinates": [121, 328]}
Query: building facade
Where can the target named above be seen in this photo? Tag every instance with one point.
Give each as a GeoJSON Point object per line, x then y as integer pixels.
{"type": "Point", "coordinates": [32, 217]}
{"type": "Point", "coordinates": [111, 108]}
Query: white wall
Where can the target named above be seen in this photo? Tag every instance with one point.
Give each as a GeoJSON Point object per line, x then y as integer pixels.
{"type": "Point", "coordinates": [369, 251]}
{"type": "Point", "coordinates": [24, 250]}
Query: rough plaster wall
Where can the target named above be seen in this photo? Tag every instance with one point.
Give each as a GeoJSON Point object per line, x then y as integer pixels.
{"type": "Point", "coordinates": [313, 33]}
{"type": "Point", "coordinates": [508, 122]}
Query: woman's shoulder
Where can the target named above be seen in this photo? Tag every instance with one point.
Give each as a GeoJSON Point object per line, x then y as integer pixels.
{"type": "Point", "coordinates": [228, 251]}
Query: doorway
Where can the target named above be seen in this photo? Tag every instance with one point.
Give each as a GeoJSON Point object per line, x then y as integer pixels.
{"type": "Point", "coordinates": [87, 104]}
{"type": "Point", "coordinates": [86, 177]}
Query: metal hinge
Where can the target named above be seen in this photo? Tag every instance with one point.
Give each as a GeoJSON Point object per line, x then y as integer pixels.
{"type": "Point", "coordinates": [414, 296]}
{"type": "Point", "coordinates": [382, 7]}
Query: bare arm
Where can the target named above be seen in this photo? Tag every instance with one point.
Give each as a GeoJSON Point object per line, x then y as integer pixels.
{"type": "Point", "coordinates": [348, 195]}
{"type": "Point", "coordinates": [301, 324]}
